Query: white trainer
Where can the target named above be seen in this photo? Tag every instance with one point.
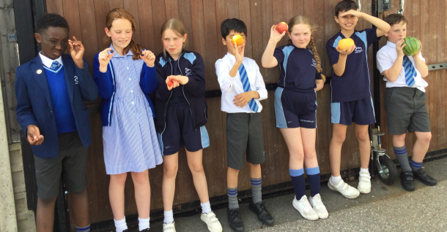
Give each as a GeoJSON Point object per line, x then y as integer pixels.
{"type": "Point", "coordinates": [345, 189]}
{"type": "Point", "coordinates": [211, 222]}
{"type": "Point", "coordinates": [364, 183]}
{"type": "Point", "coordinates": [169, 227]}
{"type": "Point", "coordinates": [303, 206]}
{"type": "Point", "coordinates": [318, 206]}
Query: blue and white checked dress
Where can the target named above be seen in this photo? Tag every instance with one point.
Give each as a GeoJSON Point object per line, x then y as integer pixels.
{"type": "Point", "coordinates": [130, 143]}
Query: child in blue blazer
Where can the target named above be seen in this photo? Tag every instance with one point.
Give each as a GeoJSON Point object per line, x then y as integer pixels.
{"type": "Point", "coordinates": [50, 91]}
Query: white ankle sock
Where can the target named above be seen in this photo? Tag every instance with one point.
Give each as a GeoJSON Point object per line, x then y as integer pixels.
{"type": "Point", "coordinates": [120, 225]}
{"type": "Point", "coordinates": [143, 223]}
{"type": "Point", "coordinates": [206, 207]}
{"type": "Point", "coordinates": [334, 180]}
{"type": "Point", "coordinates": [168, 217]}
{"type": "Point", "coordinates": [364, 170]}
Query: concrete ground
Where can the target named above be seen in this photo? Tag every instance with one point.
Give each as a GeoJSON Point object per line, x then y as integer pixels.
{"type": "Point", "coordinates": [386, 208]}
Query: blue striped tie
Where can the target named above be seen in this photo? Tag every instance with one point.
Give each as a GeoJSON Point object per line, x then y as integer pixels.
{"type": "Point", "coordinates": [246, 85]}
{"type": "Point", "coordinates": [410, 71]}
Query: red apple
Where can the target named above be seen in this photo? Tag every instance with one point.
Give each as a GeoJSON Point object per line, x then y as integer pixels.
{"type": "Point", "coordinates": [281, 27]}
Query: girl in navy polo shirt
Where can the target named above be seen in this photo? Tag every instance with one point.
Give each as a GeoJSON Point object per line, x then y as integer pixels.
{"type": "Point", "coordinates": [182, 114]}
{"type": "Point", "coordinates": [125, 74]}
{"type": "Point", "coordinates": [296, 108]}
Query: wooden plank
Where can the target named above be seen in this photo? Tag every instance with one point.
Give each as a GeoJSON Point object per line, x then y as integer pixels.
{"type": "Point", "coordinates": [442, 57]}
{"type": "Point", "coordinates": [132, 7]}
{"type": "Point", "coordinates": [88, 31]}
{"type": "Point", "coordinates": [172, 9]}
{"type": "Point", "coordinates": [430, 45]}
{"type": "Point", "coordinates": [212, 43]}
{"type": "Point", "coordinates": [214, 157]}
{"type": "Point", "coordinates": [245, 16]}
{"type": "Point", "coordinates": [185, 16]}
{"type": "Point", "coordinates": [198, 26]}
{"type": "Point", "coordinates": [147, 33]}
{"type": "Point", "coordinates": [71, 14]}
{"type": "Point", "coordinates": [158, 19]}
{"type": "Point", "coordinates": [55, 7]}
{"type": "Point", "coordinates": [116, 4]}
{"type": "Point", "coordinates": [232, 8]}
{"type": "Point", "coordinates": [101, 10]}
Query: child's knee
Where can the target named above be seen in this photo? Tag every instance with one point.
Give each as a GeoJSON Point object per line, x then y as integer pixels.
{"type": "Point", "coordinates": [233, 171]}
{"type": "Point", "coordinates": [47, 202]}
{"type": "Point", "coordinates": [399, 138]}
{"type": "Point", "coordinates": [254, 166]}
{"type": "Point", "coordinates": [362, 136]}
{"type": "Point", "coordinates": [297, 157]}
{"type": "Point", "coordinates": [170, 171]}
{"type": "Point", "coordinates": [338, 137]}
{"type": "Point", "coordinates": [196, 168]}
{"type": "Point", "coordinates": [425, 137]}
{"type": "Point", "coordinates": [119, 179]}
{"type": "Point", "coordinates": [310, 155]}
{"type": "Point", "coordinates": [140, 178]}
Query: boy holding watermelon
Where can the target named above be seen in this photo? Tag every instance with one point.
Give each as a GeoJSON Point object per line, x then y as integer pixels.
{"type": "Point", "coordinates": [401, 63]}
{"type": "Point", "coordinates": [351, 92]}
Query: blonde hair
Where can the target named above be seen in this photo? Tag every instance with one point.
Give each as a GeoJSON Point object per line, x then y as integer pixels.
{"type": "Point", "coordinates": [120, 13]}
{"type": "Point", "coordinates": [299, 19]}
{"type": "Point", "coordinates": [177, 26]}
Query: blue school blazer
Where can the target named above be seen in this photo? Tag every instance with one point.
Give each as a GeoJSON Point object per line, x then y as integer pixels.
{"type": "Point", "coordinates": [34, 106]}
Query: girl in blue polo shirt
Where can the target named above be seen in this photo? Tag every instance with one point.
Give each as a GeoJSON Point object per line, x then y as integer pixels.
{"type": "Point", "coordinates": [182, 114]}
{"type": "Point", "coordinates": [125, 74]}
{"type": "Point", "coordinates": [296, 108]}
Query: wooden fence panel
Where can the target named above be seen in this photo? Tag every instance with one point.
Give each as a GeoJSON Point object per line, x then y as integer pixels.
{"type": "Point", "coordinates": [202, 20]}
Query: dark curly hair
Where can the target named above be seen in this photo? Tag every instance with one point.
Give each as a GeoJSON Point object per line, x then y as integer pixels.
{"type": "Point", "coordinates": [51, 20]}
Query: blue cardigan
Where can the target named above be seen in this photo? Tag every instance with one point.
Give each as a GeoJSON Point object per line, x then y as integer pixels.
{"type": "Point", "coordinates": [107, 87]}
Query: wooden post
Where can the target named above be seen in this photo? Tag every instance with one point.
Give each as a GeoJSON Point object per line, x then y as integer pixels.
{"type": "Point", "coordinates": [8, 217]}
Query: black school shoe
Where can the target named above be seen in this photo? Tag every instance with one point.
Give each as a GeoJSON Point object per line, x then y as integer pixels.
{"type": "Point", "coordinates": [235, 220]}
{"type": "Point", "coordinates": [422, 176]}
{"type": "Point", "coordinates": [407, 181]}
{"type": "Point", "coordinates": [263, 215]}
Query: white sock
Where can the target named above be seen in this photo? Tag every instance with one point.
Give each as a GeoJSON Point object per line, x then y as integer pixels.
{"type": "Point", "coordinates": [120, 225]}
{"type": "Point", "coordinates": [169, 217]}
{"type": "Point", "coordinates": [334, 180]}
{"type": "Point", "coordinates": [206, 207]}
{"type": "Point", "coordinates": [143, 223]}
{"type": "Point", "coordinates": [364, 170]}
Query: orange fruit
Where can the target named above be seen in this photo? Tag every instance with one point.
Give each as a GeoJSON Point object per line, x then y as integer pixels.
{"type": "Point", "coordinates": [346, 42]}
{"type": "Point", "coordinates": [238, 39]}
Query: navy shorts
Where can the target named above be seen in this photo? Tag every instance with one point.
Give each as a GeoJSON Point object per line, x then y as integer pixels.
{"type": "Point", "coordinates": [180, 131]}
{"type": "Point", "coordinates": [295, 109]}
{"type": "Point", "coordinates": [360, 112]}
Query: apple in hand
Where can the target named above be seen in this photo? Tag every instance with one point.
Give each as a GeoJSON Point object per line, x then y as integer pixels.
{"type": "Point", "coordinates": [281, 27]}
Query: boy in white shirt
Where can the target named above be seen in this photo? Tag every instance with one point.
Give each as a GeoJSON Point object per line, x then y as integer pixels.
{"type": "Point", "coordinates": [405, 101]}
{"type": "Point", "coordinates": [242, 89]}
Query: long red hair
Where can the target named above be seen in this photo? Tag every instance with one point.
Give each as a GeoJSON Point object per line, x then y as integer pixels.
{"type": "Point", "coordinates": [120, 13]}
